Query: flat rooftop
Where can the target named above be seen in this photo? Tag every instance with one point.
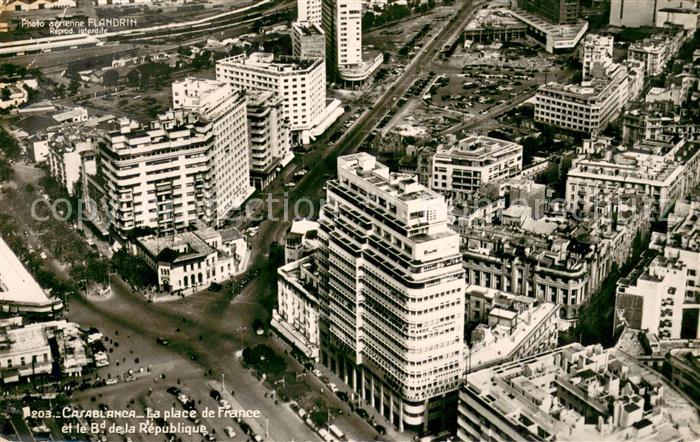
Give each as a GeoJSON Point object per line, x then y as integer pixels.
{"type": "Point", "coordinates": [403, 186]}
{"type": "Point", "coordinates": [17, 285]}
{"type": "Point", "coordinates": [493, 18]}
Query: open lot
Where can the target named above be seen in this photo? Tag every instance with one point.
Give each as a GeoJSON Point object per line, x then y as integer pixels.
{"type": "Point", "coordinates": [391, 38]}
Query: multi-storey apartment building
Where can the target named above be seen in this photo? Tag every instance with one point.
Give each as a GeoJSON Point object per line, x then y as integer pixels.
{"type": "Point", "coordinates": [597, 53]}
{"type": "Point", "coordinates": [661, 173]}
{"type": "Point", "coordinates": [308, 40]}
{"type": "Point", "coordinates": [556, 11]}
{"type": "Point", "coordinates": [657, 50]}
{"type": "Point", "coordinates": [392, 294]}
{"type": "Point", "coordinates": [309, 11]}
{"type": "Point", "coordinates": [224, 107]}
{"type": "Point", "coordinates": [662, 295]}
{"type": "Point", "coordinates": [297, 314]}
{"type": "Point", "coordinates": [573, 393]}
{"type": "Point", "coordinates": [66, 156]}
{"type": "Point", "coordinates": [648, 122]}
{"type": "Point", "coordinates": [301, 83]}
{"type": "Point", "coordinates": [588, 107]}
{"type": "Point", "coordinates": [186, 166]}
{"type": "Point", "coordinates": [270, 142]}
{"type": "Point", "coordinates": [459, 169]}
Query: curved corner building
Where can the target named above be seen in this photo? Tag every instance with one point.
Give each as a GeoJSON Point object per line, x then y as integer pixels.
{"type": "Point", "coordinates": [392, 295]}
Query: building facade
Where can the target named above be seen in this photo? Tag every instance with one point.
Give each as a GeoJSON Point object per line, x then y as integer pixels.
{"type": "Point", "coordinates": [296, 317]}
{"type": "Point", "coordinates": [656, 51]}
{"type": "Point", "coordinates": [597, 53]}
{"type": "Point", "coordinates": [301, 83]}
{"type": "Point", "coordinates": [342, 24]}
{"type": "Point", "coordinates": [270, 139]}
{"type": "Point", "coordinates": [657, 172]}
{"type": "Point", "coordinates": [164, 177]}
{"type": "Point", "coordinates": [229, 174]}
{"type": "Point", "coordinates": [461, 168]}
{"type": "Point", "coordinates": [392, 294]}
{"type": "Point", "coordinates": [662, 295]}
{"type": "Point", "coordinates": [572, 393]}
{"type": "Point", "coordinates": [588, 107]}
{"type": "Point", "coordinates": [308, 40]}
{"type": "Point", "coordinates": [187, 262]}
{"type": "Point", "coordinates": [309, 11]}
{"type": "Point", "coordinates": [508, 327]}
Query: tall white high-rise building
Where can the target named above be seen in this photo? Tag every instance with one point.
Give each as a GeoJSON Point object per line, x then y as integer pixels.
{"type": "Point", "coordinates": [309, 11]}
{"type": "Point", "coordinates": [392, 295]}
{"type": "Point", "coordinates": [342, 24]}
{"type": "Point", "coordinates": [191, 163]}
{"type": "Point", "coordinates": [301, 83]}
{"type": "Point", "coordinates": [230, 160]}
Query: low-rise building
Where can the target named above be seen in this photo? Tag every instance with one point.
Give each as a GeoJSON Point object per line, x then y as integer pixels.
{"type": "Point", "coordinates": [190, 261]}
{"type": "Point", "coordinates": [494, 24]}
{"type": "Point", "coordinates": [13, 94]}
{"type": "Point", "coordinates": [459, 169]}
{"type": "Point", "coordinates": [573, 393]}
{"type": "Point", "coordinates": [509, 327]}
{"type": "Point", "coordinates": [661, 173]}
{"type": "Point", "coordinates": [553, 36]}
{"type": "Point", "coordinates": [74, 115]}
{"type": "Point", "coordinates": [19, 291]}
{"type": "Point", "coordinates": [296, 317]}
{"type": "Point", "coordinates": [656, 51]}
{"type": "Point", "coordinates": [34, 5]}
{"type": "Point", "coordinates": [661, 295]}
{"type": "Point", "coordinates": [24, 352]}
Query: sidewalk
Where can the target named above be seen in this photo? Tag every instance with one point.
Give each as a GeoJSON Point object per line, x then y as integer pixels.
{"type": "Point", "coordinates": [391, 432]}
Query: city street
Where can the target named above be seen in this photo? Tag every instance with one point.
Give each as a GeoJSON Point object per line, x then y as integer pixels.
{"type": "Point", "coordinates": [212, 344]}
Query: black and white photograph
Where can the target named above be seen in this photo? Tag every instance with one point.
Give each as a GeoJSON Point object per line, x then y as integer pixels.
{"type": "Point", "coordinates": [350, 220]}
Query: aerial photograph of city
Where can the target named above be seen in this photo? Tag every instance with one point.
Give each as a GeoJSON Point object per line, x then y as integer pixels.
{"type": "Point", "coordinates": [350, 220]}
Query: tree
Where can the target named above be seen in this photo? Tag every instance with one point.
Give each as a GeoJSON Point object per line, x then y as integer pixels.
{"type": "Point", "coordinates": [110, 78]}
{"type": "Point", "coordinates": [8, 145]}
{"type": "Point", "coordinates": [73, 86]}
{"type": "Point", "coordinates": [133, 78]}
{"type": "Point", "coordinates": [6, 93]}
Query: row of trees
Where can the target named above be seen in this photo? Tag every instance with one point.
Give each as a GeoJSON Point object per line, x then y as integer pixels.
{"type": "Point", "coordinates": [9, 152]}
{"type": "Point", "coordinates": [392, 13]}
